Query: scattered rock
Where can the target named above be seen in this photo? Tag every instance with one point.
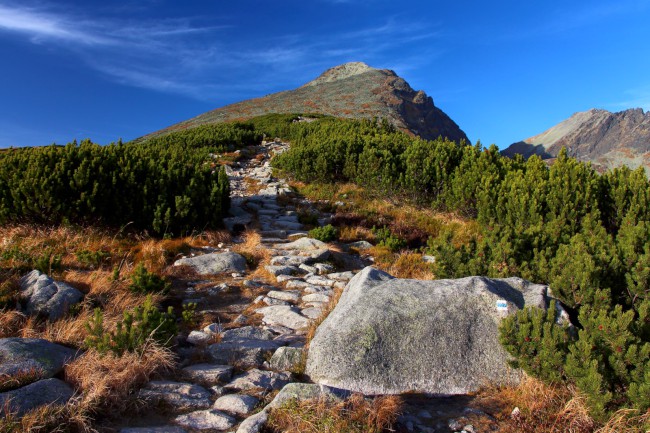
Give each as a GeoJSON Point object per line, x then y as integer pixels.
{"type": "Point", "coordinates": [287, 358]}
{"type": "Point", "coordinates": [286, 316]}
{"type": "Point", "coordinates": [199, 338]}
{"type": "Point", "coordinates": [32, 357]}
{"type": "Point", "coordinates": [46, 297]}
{"type": "Point", "coordinates": [285, 295]}
{"type": "Point", "coordinates": [37, 394]}
{"type": "Point", "coordinates": [281, 270]}
{"type": "Point", "coordinates": [360, 245]}
{"type": "Point", "coordinates": [236, 404]}
{"type": "Point", "coordinates": [246, 333]}
{"type": "Point", "coordinates": [208, 374]}
{"type": "Point", "coordinates": [312, 312]}
{"type": "Point", "coordinates": [214, 263]}
{"type": "Point", "coordinates": [206, 420]}
{"type": "Point", "coordinates": [246, 353]}
{"type": "Point", "coordinates": [177, 396]}
{"type": "Point", "coordinates": [259, 379]}
{"type": "Point", "coordinates": [254, 423]}
{"type": "Point", "coordinates": [316, 297]}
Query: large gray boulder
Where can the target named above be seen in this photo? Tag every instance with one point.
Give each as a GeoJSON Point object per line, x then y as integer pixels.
{"type": "Point", "coordinates": [214, 263]}
{"type": "Point", "coordinates": [41, 393]}
{"type": "Point", "coordinates": [35, 358]}
{"type": "Point", "coordinates": [389, 336]}
{"type": "Point", "coordinates": [46, 297]}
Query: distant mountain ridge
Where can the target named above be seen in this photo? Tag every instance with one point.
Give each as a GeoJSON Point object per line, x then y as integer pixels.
{"type": "Point", "coordinates": [352, 90]}
{"type": "Point", "coordinates": [601, 137]}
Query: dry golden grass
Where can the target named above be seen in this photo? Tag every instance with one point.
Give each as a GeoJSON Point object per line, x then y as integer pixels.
{"type": "Point", "coordinates": [107, 381]}
{"type": "Point", "coordinates": [404, 264]}
{"type": "Point", "coordinates": [627, 421]}
{"type": "Point", "coordinates": [11, 322]}
{"type": "Point", "coordinates": [364, 209]}
{"type": "Point", "coordinates": [355, 233]}
{"type": "Point", "coordinates": [253, 250]}
{"type": "Point", "coordinates": [542, 408]}
{"type": "Point", "coordinates": [49, 419]}
{"type": "Point", "coordinates": [356, 414]}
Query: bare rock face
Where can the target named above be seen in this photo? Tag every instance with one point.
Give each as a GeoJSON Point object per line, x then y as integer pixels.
{"type": "Point", "coordinates": [603, 138]}
{"type": "Point", "coordinates": [352, 90]}
{"type": "Point", "coordinates": [389, 336]}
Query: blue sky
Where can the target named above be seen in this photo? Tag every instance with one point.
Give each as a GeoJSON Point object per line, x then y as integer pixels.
{"type": "Point", "coordinates": [503, 70]}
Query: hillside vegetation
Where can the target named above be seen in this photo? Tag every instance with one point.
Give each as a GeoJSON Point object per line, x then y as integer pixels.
{"type": "Point", "coordinates": [169, 184]}
{"type": "Point", "coordinates": [584, 234]}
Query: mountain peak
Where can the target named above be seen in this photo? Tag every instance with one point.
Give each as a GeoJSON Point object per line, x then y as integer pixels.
{"type": "Point", "coordinates": [351, 90]}
{"type": "Point", "coordinates": [599, 136]}
{"type": "Point", "coordinates": [341, 72]}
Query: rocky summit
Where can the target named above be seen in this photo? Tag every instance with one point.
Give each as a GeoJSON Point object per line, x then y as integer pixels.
{"type": "Point", "coordinates": [352, 90]}
{"type": "Point", "coordinates": [605, 139]}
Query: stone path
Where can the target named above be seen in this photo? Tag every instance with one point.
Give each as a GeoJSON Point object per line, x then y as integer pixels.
{"type": "Point", "coordinates": [229, 369]}
{"type": "Point", "coordinates": [255, 345]}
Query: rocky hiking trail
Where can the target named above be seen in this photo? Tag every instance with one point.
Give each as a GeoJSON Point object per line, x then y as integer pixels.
{"type": "Point", "coordinates": [250, 358]}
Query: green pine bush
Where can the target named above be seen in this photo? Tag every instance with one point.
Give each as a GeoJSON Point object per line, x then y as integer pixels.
{"type": "Point", "coordinates": [143, 281]}
{"type": "Point", "coordinates": [137, 327]}
{"type": "Point", "coordinates": [326, 233]}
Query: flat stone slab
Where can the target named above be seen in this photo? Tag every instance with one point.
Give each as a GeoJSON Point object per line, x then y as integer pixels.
{"type": "Point", "coordinates": [319, 280]}
{"type": "Point", "coordinates": [208, 374]}
{"type": "Point", "coordinates": [46, 297]}
{"type": "Point", "coordinates": [316, 297]}
{"type": "Point", "coordinates": [285, 295]}
{"type": "Point", "coordinates": [248, 353]}
{"type": "Point", "coordinates": [286, 316]}
{"type": "Point", "coordinates": [296, 284]}
{"type": "Point", "coordinates": [259, 379]}
{"type": "Point", "coordinates": [214, 263]}
{"type": "Point", "coordinates": [35, 357]}
{"type": "Point", "coordinates": [281, 270]}
{"type": "Point", "coordinates": [303, 244]}
{"type": "Point", "coordinates": [236, 404]}
{"type": "Point", "coordinates": [312, 312]}
{"type": "Point", "coordinates": [203, 420]}
{"type": "Point", "coordinates": [37, 394]}
{"type": "Point", "coordinates": [246, 333]}
{"type": "Point", "coordinates": [178, 396]}
{"type": "Point", "coordinates": [341, 276]}
{"type": "Point", "coordinates": [289, 260]}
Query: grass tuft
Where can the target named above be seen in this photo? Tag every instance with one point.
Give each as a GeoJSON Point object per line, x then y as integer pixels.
{"type": "Point", "coordinates": [354, 415]}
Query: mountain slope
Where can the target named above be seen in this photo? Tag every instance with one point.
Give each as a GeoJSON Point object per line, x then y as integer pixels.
{"type": "Point", "coordinates": [352, 90]}
{"type": "Point", "coordinates": [606, 139]}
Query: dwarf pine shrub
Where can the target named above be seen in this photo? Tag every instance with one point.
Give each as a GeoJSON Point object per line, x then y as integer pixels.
{"type": "Point", "coordinates": [326, 233]}
{"type": "Point", "coordinates": [143, 281]}
{"type": "Point", "coordinates": [142, 324]}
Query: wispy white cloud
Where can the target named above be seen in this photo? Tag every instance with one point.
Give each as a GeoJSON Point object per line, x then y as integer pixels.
{"type": "Point", "coordinates": [634, 98]}
{"type": "Point", "coordinates": [183, 57]}
{"type": "Point", "coordinates": [40, 25]}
